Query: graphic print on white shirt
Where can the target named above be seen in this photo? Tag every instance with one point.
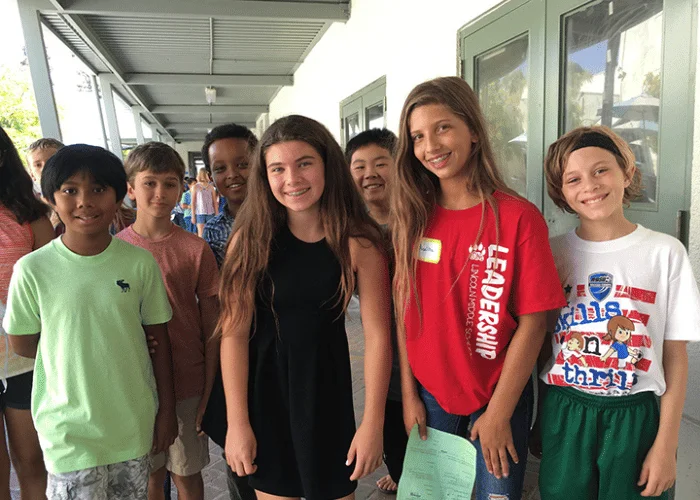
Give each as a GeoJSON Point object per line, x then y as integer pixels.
{"type": "Point", "coordinates": [625, 298]}
{"type": "Point", "coordinates": [600, 339]}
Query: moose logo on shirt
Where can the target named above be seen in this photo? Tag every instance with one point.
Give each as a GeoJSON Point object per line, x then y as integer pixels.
{"type": "Point", "coordinates": [124, 286]}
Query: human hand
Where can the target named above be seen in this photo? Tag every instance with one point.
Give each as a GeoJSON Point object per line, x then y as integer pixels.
{"type": "Point", "coordinates": [414, 413]}
{"type": "Point", "coordinates": [200, 415]}
{"type": "Point", "coordinates": [152, 344]}
{"type": "Point", "coordinates": [496, 443]}
{"type": "Point", "coordinates": [165, 430]}
{"type": "Point", "coordinates": [658, 470]}
{"type": "Point", "coordinates": [241, 450]}
{"type": "Point", "coordinates": [365, 450]}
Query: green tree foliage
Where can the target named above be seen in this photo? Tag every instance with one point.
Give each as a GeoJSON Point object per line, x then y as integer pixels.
{"type": "Point", "coordinates": [576, 76]}
{"type": "Point", "coordinates": [18, 112]}
{"type": "Point", "coordinates": [652, 84]}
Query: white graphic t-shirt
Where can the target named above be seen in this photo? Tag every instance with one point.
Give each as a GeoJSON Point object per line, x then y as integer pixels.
{"type": "Point", "coordinates": [625, 297]}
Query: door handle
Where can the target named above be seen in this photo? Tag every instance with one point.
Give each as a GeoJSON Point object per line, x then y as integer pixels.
{"type": "Point", "coordinates": [682, 226]}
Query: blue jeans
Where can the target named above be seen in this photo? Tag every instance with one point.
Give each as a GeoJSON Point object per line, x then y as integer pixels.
{"type": "Point", "coordinates": [510, 487]}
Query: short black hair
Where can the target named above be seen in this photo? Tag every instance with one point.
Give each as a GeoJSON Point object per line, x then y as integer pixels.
{"type": "Point", "coordinates": [102, 165]}
{"type": "Point", "coordinates": [382, 137]}
{"type": "Point", "coordinates": [228, 131]}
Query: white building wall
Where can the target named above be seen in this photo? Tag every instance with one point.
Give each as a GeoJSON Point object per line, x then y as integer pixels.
{"type": "Point", "coordinates": [408, 41]}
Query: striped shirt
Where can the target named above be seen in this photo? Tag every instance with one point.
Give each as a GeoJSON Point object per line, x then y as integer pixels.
{"type": "Point", "coordinates": [16, 241]}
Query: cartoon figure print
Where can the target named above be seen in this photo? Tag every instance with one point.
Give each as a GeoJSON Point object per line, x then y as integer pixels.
{"type": "Point", "coordinates": [574, 348]}
{"type": "Point", "coordinates": [620, 331]}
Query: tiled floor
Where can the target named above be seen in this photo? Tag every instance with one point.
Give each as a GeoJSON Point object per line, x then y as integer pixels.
{"type": "Point", "coordinates": [688, 486]}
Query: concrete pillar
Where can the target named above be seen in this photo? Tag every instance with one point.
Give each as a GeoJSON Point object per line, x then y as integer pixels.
{"type": "Point", "coordinates": [137, 124]}
{"type": "Point", "coordinates": [39, 69]}
{"type": "Point", "coordinates": [115, 143]}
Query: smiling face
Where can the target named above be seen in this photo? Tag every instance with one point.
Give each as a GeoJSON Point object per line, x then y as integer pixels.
{"type": "Point", "coordinates": [229, 160]}
{"type": "Point", "coordinates": [156, 194]}
{"type": "Point", "coordinates": [593, 185]}
{"type": "Point", "coordinates": [85, 207]}
{"type": "Point", "coordinates": [296, 174]}
{"type": "Point", "coordinates": [442, 142]}
{"type": "Point", "coordinates": [372, 168]}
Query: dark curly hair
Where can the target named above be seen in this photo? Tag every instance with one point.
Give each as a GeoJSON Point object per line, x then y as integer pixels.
{"type": "Point", "coordinates": [228, 131]}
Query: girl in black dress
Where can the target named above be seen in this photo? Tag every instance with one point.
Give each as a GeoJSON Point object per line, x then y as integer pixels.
{"type": "Point", "coordinates": [301, 243]}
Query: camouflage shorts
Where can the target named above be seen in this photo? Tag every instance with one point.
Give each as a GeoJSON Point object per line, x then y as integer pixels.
{"type": "Point", "coordinates": [121, 481]}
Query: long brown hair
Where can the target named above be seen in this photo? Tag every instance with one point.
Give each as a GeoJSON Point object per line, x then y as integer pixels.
{"type": "Point", "coordinates": [261, 216]}
{"type": "Point", "coordinates": [415, 189]}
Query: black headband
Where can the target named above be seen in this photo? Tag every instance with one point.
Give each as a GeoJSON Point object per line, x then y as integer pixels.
{"type": "Point", "coordinates": [596, 140]}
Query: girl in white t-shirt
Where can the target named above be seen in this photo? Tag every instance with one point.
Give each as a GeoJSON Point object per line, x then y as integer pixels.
{"type": "Point", "coordinates": [632, 305]}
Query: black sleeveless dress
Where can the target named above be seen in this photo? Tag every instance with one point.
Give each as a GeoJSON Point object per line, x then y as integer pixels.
{"type": "Point", "coordinates": [300, 384]}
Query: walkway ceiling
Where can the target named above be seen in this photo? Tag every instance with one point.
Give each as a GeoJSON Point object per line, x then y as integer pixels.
{"type": "Point", "coordinates": [161, 54]}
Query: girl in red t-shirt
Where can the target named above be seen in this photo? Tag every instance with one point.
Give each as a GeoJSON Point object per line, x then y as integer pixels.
{"type": "Point", "coordinates": [474, 280]}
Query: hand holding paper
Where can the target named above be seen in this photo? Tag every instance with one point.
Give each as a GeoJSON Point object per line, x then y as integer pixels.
{"type": "Point", "coordinates": [441, 467]}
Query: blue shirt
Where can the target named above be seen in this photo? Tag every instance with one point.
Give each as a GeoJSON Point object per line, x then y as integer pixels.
{"type": "Point", "coordinates": [216, 233]}
{"type": "Point", "coordinates": [187, 200]}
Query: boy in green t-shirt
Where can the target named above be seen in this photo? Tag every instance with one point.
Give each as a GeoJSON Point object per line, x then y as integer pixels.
{"type": "Point", "coordinates": [82, 306]}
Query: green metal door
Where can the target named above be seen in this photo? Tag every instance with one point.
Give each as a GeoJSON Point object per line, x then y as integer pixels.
{"type": "Point", "coordinates": [503, 61]}
{"type": "Point", "coordinates": [625, 64]}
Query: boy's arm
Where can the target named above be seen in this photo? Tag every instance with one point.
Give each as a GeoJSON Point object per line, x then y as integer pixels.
{"type": "Point", "coordinates": [166, 424]}
{"type": "Point", "coordinates": [25, 345]}
{"type": "Point", "coordinates": [493, 427]}
{"type": "Point", "coordinates": [209, 312]}
{"type": "Point", "coordinates": [659, 468]}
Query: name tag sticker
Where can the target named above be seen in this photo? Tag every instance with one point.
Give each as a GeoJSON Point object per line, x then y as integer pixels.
{"type": "Point", "coordinates": [429, 250]}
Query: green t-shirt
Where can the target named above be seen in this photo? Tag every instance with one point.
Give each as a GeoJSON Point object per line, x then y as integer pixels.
{"type": "Point", "coordinates": [94, 399]}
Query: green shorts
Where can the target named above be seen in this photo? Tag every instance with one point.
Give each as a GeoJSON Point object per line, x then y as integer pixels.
{"type": "Point", "coordinates": [593, 447]}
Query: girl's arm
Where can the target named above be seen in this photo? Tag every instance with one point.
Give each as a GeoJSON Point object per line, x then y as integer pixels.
{"type": "Point", "coordinates": [241, 446]}
{"type": "Point", "coordinates": [659, 468]}
{"type": "Point", "coordinates": [373, 286]}
{"type": "Point", "coordinates": [43, 232]}
{"type": "Point", "coordinates": [209, 312]}
{"type": "Point", "coordinates": [493, 427]}
{"type": "Point", "coordinates": [215, 199]}
{"type": "Point", "coordinates": [413, 407]}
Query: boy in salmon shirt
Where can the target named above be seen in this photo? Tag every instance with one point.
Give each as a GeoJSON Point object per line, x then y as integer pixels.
{"type": "Point", "coordinates": [155, 174]}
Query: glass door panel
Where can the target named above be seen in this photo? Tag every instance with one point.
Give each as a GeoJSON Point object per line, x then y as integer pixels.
{"type": "Point", "coordinates": [503, 61]}
{"type": "Point", "coordinates": [502, 87]}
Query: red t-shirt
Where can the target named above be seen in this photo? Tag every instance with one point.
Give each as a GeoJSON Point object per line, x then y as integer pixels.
{"type": "Point", "coordinates": [470, 298]}
{"type": "Point", "coordinates": [190, 274]}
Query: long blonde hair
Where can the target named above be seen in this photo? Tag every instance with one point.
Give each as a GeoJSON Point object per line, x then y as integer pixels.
{"type": "Point", "coordinates": [415, 190]}
{"type": "Point", "coordinates": [261, 216]}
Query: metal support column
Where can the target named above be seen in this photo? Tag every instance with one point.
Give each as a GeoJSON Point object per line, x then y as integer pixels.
{"type": "Point", "coordinates": [96, 91]}
{"type": "Point", "coordinates": [39, 69]}
{"type": "Point", "coordinates": [137, 123]}
{"type": "Point", "coordinates": [155, 134]}
{"type": "Point", "coordinates": [115, 143]}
